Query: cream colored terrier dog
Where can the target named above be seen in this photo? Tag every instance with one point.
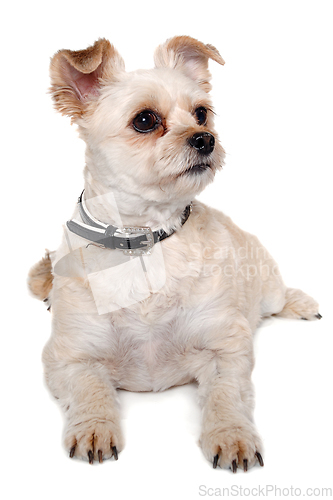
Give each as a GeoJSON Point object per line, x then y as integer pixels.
{"type": "Point", "coordinates": [151, 288]}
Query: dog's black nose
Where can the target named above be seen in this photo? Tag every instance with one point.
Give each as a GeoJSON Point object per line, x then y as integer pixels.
{"type": "Point", "coordinates": [203, 142]}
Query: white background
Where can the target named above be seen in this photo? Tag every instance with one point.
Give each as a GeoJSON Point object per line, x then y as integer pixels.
{"type": "Point", "coordinates": [274, 107]}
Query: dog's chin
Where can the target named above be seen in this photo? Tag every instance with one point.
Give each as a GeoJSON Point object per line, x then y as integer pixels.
{"type": "Point", "coordinates": [197, 169]}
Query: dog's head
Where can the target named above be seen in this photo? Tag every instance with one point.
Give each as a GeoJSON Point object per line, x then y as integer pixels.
{"type": "Point", "coordinates": [149, 131]}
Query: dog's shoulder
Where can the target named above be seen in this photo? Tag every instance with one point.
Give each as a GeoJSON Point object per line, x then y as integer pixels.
{"type": "Point", "coordinates": [209, 226]}
{"type": "Point", "coordinates": [206, 221]}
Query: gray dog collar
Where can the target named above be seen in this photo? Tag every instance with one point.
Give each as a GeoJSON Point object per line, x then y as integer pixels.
{"type": "Point", "coordinates": [132, 240]}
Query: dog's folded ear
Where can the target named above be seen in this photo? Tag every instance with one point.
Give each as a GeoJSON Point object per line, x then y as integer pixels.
{"type": "Point", "coordinates": [190, 56]}
{"type": "Point", "coordinates": [76, 76]}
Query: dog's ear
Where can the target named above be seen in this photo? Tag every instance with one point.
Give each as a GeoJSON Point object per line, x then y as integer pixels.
{"type": "Point", "coordinates": [190, 56]}
{"type": "Point", "coordinates": [76, 76]}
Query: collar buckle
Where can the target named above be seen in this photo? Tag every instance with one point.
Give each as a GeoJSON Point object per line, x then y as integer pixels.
{"type": "Point", "coordinates": [148, 243]}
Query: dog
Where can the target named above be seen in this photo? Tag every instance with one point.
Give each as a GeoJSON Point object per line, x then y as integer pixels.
{"type": "Point", "coordinates": [151, 288]}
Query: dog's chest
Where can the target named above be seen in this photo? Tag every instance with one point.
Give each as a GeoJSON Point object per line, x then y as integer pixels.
{"type": "Point", "coordinates": [151, 340]}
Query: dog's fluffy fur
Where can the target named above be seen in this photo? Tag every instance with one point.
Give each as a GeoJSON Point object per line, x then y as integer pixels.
{"type": "Point", "coordinates": [218, 280]}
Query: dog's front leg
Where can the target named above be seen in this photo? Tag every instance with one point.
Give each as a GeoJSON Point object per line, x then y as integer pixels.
{"type": "Point", "coordinates": [89, 400]}
{"type": "Point", "coordinates": [229, 437]}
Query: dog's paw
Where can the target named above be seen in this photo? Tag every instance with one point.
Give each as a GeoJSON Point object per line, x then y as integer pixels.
{"type": "Point", "coordinates": [299, 305]}
{"type": "Point", "coordinates": [94, 440]}
{"type": "Point", "coordinates": [233, 448]}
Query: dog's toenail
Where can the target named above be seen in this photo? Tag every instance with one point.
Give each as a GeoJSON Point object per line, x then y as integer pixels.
{"type": "Point", "coordinates": [216, 458]}
{"type": "Point", "coordinates": [100, 456]}
{"type": "Point", "coordinates": [319, 316]}
{"type": "Point", "coordinates": [72, 452]}
{"type": "Point", "coordinates": [115, 452]}
{"type": "Point", "coordinates": [245, 464]}
{"type": "Point", "coordinates": [260, 460]}
{"type": "Point", "coordinates": [234, 466]}
{"type": "Point", "coordinates": [91, 457]}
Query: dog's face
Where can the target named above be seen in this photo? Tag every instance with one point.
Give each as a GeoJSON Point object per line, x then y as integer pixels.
{"type": "Point", "coordinates": [149, 131]}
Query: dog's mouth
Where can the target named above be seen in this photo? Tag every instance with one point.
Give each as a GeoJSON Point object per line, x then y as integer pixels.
{"type": "Point", "coordinates": [196, 169]}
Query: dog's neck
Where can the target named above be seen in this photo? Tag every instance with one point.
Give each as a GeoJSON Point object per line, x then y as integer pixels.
{"type": "Point", "coordinates": [116, 207]}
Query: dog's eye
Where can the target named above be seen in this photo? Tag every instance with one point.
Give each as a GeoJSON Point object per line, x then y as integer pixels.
{"type": "Point", "coordinates": [201, 114]}
{"type": "Point", "coordinates": [146, 121]}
